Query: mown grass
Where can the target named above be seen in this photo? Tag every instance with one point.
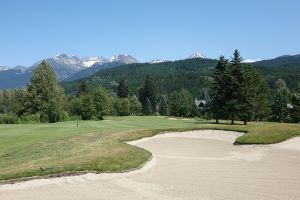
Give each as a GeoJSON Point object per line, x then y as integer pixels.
{"type": "Point", "coordinates": [41, 149]}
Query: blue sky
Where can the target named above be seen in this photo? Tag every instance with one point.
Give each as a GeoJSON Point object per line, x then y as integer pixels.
{"type": "Point", "coordinates": [147, 29]}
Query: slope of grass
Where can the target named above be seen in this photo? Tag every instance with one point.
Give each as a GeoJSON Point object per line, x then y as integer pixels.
{"type": "Point", "coordinates": [41, 149]}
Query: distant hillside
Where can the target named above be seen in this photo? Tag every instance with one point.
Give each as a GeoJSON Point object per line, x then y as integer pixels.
{"type": "Point", "coordinates": [283, 67]}
{"type": "Point", "coordinates": [191, 74]}
{"type": "Point", "coordinates": [280, 61]}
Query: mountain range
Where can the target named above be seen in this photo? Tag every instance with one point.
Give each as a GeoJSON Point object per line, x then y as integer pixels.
{"type": "Point", "coordinates": [71, 68]}
{"type": "Point", "coordinates": [193, 74]}
{"type": "Point", "coordinates": [66, 67]}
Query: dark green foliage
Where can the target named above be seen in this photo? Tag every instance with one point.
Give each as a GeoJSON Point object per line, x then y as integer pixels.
{"type": "Point", "coordinates": [147, 107]}
{"type": "Point", "coordinates": [44, 96]}
{"type": "Point", "coordinates": [290, 73]}
{"type": "Point", "coordinates": [87, 109]}
{"type": "Point", "coordinates": [295, 112]}
{"type": "Point", "coordinates": [82, 89]}
{"type": "Point", "coordinates": [279, 106]}
{"type": "Point", "coordinates": [75, 107]}
{"type": "Point", "coordinates": [218, 88]}
{"type": "Point", "coordinates": [192, 74]}
{"type": "Point", "coordinates": [148, 91]}
{"type": "Point", "coordinates": [163, 106]}
{"type": "Point", "coordinates": [123, 90]}
{"type": "Point", "coordinates": [262, 99]}
{"type": "Point", "coordinates": [238, 92]}
{"type": "Point", "coordinates": [8, 119]}
{"type": "Point", "coordinates": [234, 87]}
{"type": "Point", "coordinates": [195, 111]}
{"type": "Point", "coordinates": [174, 105]}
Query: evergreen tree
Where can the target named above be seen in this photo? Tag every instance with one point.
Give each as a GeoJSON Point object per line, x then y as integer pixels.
{"type": "Point", "coordinates": [174, 104]}
{"type": "Point", "coordinates": [295, 115]}
{"type": "Point", "coordinates": [147, 108]}
{"type": "Point", "coordinates": [148, 91]}
{"type": "Point", "coordinates": [163, 106]}
{"type": "Point", "coordinates": [248, 88]}
{"type": "Point", "coordinates": [101, 102]}
{"type": "Point", "coordinates": [195, 111]}
{"type": "Point", "coordinates": [123, 90]}
{"type": "Point", "coordinates": [44, 94]}
{"type": "Point", "coordinates": [82, 89]}
{"type": "Point", "coordinates": [233, 89]}
{"type": "Point", "coordinates": [218, 89]}
{"type": "Point", "coordinates": [262, 99]}
{"type": "Point", "coordinates": [75, 107]}
{"type": "Point", "coordinates": [279, 106]}
{"type": "Point", "coordinates": [87, 107]}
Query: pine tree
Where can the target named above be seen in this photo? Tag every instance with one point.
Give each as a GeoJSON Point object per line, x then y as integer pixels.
{"type": "Point", "coordinates": [233, 89]}
{"type": "Point", "coordinates": [295, 115]}
{"type": "Point", "coordinates": [148, 91]}
{"type": "Point", "coordinates": [279, 106]}
{"type": "Point", "coordinates": [218, 89]}
{"type": "Point", "coordinates": [147, 108]}
{"type": "Point", "coordinates": [163, 106]}
{"type": "Point", "coordinates": [87, 107]}
{"type": "Point", "coordinates": [174, 104]}
{"type": "Point", "coordinates": [123, 90]}
{"type": "Point", "coordinates": [82, 89]}
{"type": "Point", "coordinates": [262, 99]}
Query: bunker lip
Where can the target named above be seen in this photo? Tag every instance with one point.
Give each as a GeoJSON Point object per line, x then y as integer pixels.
{"type": "Point", "coordinates": [219, 135]}
{"type": "Point", "coordinates": [131, 142]}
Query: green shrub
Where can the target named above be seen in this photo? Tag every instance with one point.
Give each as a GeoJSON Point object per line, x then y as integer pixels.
{"type": "Point", "coordinates": [8, 119]}
{"type": "Point", "coordinates": [34, 118]}
{"type": "Point", "coordinates": [74, 118]}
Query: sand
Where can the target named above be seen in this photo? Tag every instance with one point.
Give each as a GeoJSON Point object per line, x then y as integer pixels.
{"type": "Point", "coordinates": [192, 165]}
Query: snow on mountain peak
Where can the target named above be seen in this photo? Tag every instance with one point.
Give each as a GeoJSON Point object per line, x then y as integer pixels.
{"type": "Point", "coordinates": [251, 60]}
{"type": "Point", "coordinates": [67, 59]}
{"type": "Point", "coordinates": [89, 61]}
{"type": "Point", "coordinates": [124, 58]}
{"type": "Point", "coordinates": [196, 55]}
{"type": "Point", "coordinates": [155, 61]}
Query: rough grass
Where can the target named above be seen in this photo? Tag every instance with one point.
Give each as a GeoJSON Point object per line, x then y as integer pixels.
{"type": "Point", "coordinates": [43, 149]}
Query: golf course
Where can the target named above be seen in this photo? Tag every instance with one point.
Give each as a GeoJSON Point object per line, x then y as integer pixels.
{"type": "Point", "coordinates": [57, 149]}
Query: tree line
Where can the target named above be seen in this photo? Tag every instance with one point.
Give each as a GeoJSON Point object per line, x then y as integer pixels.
{"type": "Point", "coordinates": [237, 92]}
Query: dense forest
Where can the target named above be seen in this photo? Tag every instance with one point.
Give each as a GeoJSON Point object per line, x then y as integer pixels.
{"type": "Point", "coordinates": [228, 89]}
{"type": "Point", "coordinates": [194, 75]}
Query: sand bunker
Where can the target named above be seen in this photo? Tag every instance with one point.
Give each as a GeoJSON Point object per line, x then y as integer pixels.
{"type": "Point", "coordinates": [190, 165]}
